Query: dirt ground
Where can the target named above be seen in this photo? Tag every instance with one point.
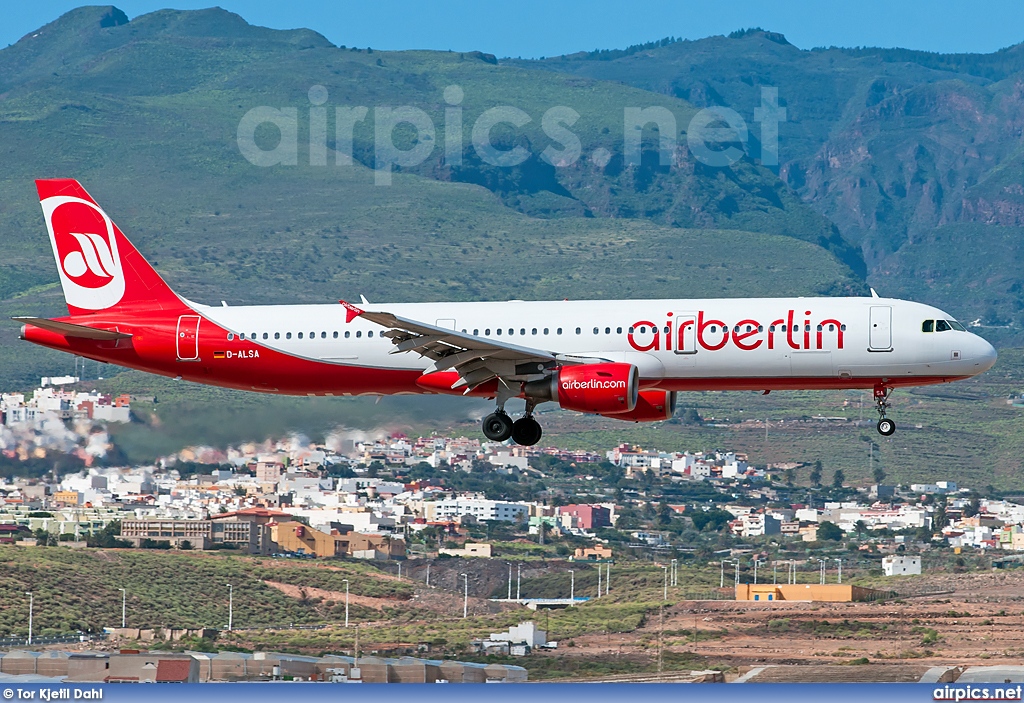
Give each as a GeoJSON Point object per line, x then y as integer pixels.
{"type": "Point", "coordinates": [978, 621]}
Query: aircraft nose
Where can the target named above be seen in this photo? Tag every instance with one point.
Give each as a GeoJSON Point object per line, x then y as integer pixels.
{"type": "Point", "coordinates": [984, 354]}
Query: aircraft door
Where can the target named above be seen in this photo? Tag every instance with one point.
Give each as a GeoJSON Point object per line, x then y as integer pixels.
{"type": "Point", "coordinates": [187, 338]}
{"type": "Point", "coordinates": [685, 332]}
{"type": "Point", "coordinates": [880, 333]}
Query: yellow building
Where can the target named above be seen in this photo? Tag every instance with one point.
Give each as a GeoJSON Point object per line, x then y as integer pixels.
{"type": "Point", "coordinates": [300, 538]}
{"type": "Point", "coordinates": [67, 498]}
{"type": "Point", "coordinates": [598, 552]}
{"type": "Point", "coordinates": [830, 592]}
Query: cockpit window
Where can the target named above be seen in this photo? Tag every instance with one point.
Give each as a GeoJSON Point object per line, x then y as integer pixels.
{"type": "Point", "coordinates": [956, 325]}
{"type": "Point", "coordinates": [928, 326]}
{"type": "Point", "coordinates": [942, 326]}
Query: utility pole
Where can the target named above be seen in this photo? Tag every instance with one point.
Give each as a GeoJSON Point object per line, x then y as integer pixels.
{"type": "Point", "coordinates": [399, 570]}
{"type": "Point", "coordinates": [660, 638]}
{"type": "Point", "coordinates": [664, 596]}
{"type": "Point", "coordinates": [29, 594]}
{"type": "Point", "coordinates": [124, 597]}
{"type": "Point", "coordinates": [608, 579]}
{"type": "Point", "coordinates": [346, 598]}
{"type": "Point", "coordinates": [675, 572]}
{"type": "Point", "coordinates": [840, 562]}
{"type": "Point", "coordinates": [519, 577]}
{"type": "Point", "coordinates": [231, 606]}
{"type": "Point", "coordinates": [721, 576]}
{"type": "Point", "coordinates": [599, 580]}
{"type": "Point", "coordinates": [737, 562]}
{"type": "Point", "coordinates": [465, 596]}
{"type": "Point", "coordinates": [775, 572]}
{"type": "Point", "coordinates": [572, 586]}
{"type": "Point", "coordinates": [509, 581]}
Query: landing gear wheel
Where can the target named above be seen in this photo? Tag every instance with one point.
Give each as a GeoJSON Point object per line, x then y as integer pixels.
{"type": "Point", "coordinates": [497, 427]}
{"type": "Point", "coordinates": [526, 431]}
{"type": "Point", "coordinates": [885, 426]}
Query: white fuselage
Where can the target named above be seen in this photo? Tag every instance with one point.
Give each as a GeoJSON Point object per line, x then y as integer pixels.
{"type": "Point", "coordinates": [676, 344]}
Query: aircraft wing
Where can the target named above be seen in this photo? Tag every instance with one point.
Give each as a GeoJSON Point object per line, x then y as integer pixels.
{"type": "Point", "coordinates": [476, 359]}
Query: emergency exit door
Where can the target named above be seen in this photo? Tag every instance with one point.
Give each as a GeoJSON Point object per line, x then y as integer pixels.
{"type": "Point", "coordinates": [880, 334]}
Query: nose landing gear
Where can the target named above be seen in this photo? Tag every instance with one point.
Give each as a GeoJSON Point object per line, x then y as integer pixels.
{"type": "Point", "coordinates": [885, 426]}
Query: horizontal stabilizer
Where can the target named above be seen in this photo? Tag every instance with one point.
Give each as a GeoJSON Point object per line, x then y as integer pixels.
{"type": "Point", "coordinates": [69, 329]}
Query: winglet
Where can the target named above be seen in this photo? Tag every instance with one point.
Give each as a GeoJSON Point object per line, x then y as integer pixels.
{"type": "Point", "coordinates": [351, 311]}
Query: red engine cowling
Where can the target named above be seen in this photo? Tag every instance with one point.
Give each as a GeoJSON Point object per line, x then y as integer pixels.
{"type": "Point", "coordinates": [590, 388]}
{"type": "Point", "coordinates": [651, 406]}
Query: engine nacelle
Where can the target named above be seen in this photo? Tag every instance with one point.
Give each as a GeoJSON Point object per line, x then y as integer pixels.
{"type": "Point", "coordinates": [590, 388]}
{"type": "Point", "coordinates": [651, 406]}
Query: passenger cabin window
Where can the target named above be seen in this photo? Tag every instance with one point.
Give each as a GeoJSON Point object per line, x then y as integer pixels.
{"type": "Point", "coordinates": [300, 335]}
{"type": "Point", "coordinates": [358, 334]}
{"type": "Point", "coordinates": [942, 326]}
{"type": "Point", "coordinates": [287, 335]}
{"type": "Point", "coordinates": [335, 335]}
{"type": "Point", "coordinates": [370, 333]}
{"type": "Point", "coordinates": [558, 331]}
{"type": "Point", "coordinates": [266, 336]}
{"type": "Point", "coordinates": [277, 335]}
{"type": "Point", "coordinates": [578, 330]}
{"type": "Point", "coordinates": [230, 336]}
{"type": "Point", "coordinates": [928, 326]}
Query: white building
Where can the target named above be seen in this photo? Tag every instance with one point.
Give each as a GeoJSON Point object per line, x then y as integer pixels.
{"type": "Point", "coordinates": [480, 508]}
{"type": "Point", "coordinates": [901, 566]}
{"type": "Point", "coordinates": [523, 632]}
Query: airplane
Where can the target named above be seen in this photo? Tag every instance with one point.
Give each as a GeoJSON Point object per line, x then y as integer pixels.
{"type": "Point", "coordinates": [622, 359]}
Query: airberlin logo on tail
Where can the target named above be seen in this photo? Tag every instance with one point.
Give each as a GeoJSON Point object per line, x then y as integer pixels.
{"type": "Point", "coordinates": [85, 246]}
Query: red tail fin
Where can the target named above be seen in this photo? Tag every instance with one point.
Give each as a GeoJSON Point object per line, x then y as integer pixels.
{"type": "Point", "coordinates": [99, 268]}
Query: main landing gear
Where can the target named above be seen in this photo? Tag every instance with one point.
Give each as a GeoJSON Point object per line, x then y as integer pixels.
{"type": "Point", "coordinates": [498, 427]}
{"type": "Point", "coordinates": [885, 426]}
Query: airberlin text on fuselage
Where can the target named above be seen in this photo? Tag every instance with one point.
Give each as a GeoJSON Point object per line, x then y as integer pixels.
{"type": "Point", "coordinates": [706, 332]}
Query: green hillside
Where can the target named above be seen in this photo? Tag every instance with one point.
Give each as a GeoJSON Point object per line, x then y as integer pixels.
{"type": "Point", "coordinates": [79, 590]}
{"type": "Point", "coordinates": [146, 115]}
{"type": "Point", "coordinates": [887, 143]}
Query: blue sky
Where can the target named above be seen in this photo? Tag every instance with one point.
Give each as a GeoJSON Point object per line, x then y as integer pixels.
{"type": "Point", "coordinates": [532, 28]}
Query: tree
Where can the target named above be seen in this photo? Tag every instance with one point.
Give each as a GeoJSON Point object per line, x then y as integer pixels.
{"type": "Point", "coordinates": [664, 514]}
{"type": "Point", "coordinates": [879, 474]}
{"type": "Point", "coordinates": [972, 508]}
{"type": "Point", "coordinates": [710, 520]}
{"type": "Point", "coordinates": [829, 531]}
{"type": "Point", "coordinates": [816, 474]}
{"type": "Point", "coordinates": [790, 475]}
{"type": "Point", "coordinates": [939, 519]}
{"type": "Point", "coordinates": [838, 478]}
{"type": "Point", "coordinates": [185, 544]}
{"type": "Point", "coordinates": [860, 527]}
